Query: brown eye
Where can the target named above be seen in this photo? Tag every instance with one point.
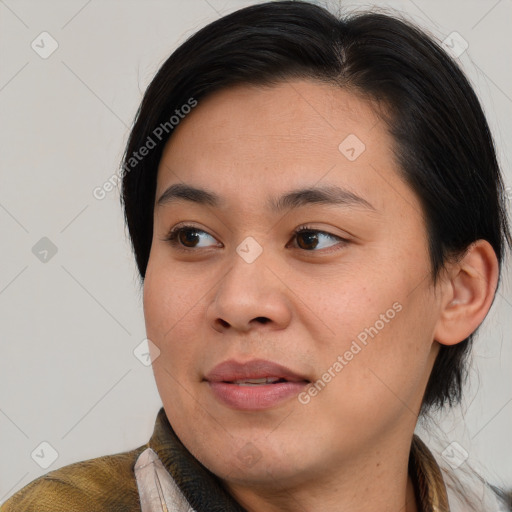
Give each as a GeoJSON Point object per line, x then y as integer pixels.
{"type": "Point", "coordinates": [310, 238]}
{"type": "Point", "coordinates": [185, 237]}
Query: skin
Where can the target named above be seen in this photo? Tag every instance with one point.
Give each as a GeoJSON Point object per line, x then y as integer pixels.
{"type": "Point", "coordinates": [348, 448]}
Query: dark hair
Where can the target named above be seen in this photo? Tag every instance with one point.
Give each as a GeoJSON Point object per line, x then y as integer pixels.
{"type": "Point", "coordinates": [444, 148]}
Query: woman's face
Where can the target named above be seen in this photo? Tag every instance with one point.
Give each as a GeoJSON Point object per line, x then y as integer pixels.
{"type": "Point", "coordinates": [346, 306]}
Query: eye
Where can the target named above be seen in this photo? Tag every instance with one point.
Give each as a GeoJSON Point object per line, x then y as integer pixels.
{"type": "Point", "coordinates": [184, 234]}
{"type": "Point", "coordinates": [183, 237]}
{"type": "Point", "coordinates": [311, 236]}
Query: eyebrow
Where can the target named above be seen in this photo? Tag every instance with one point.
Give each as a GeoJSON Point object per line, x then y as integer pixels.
{"type": "Point", "coordinates": [328, 195]}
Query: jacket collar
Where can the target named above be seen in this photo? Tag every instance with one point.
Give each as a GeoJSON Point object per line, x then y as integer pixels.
{"type": "Point", "coordinates": [205, 493]}
{"type": "Point", "coordinates": [427, 478]}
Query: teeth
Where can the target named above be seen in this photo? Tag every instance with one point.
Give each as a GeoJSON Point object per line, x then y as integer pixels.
{"type": "Point", "coordinates": [256, 382]}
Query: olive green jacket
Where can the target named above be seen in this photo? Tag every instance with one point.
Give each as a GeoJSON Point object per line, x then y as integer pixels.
{"type": "Point", "coordinates": [162, 475]}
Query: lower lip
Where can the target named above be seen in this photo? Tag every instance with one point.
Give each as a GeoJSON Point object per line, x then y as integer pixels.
{"type": "Point", "coordinates": [252, 398]}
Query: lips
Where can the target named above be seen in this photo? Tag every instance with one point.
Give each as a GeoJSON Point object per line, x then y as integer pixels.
{"type": "Point", "coordinates": [254, 385]}
{"type": "Point", "coordinates": [255, 372]}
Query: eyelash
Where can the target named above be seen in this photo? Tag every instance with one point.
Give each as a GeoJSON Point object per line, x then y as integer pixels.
{"type": "Point", "coordinates": [172, 237]}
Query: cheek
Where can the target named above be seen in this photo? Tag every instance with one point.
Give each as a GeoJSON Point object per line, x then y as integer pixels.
{"type": "Point", "coordinates": [169, 301]}
{"type": "Point", "coordinates": [169, 319]}
{"type": "Point", "coordinates": [384, 364]}
{"type": "Point", "coordinates": [382, 325]}
{"type": "Point", "coordinates": [168, 323]}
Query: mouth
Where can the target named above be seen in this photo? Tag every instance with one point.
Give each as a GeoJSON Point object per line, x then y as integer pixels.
{"type": "Point", "coordinates": [254, 372]}
{"type": "Point", "coordinates": [255, 384]}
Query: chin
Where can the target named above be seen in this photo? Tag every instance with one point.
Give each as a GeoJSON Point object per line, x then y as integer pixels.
{"type": "Point", "coordinates": [241, 460]}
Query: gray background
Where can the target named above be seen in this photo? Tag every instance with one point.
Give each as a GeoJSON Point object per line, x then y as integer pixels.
{"type": "Point", "coordinates": [69, 325]}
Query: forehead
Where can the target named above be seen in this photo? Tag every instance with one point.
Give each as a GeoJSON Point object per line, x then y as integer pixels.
{"type": "Point", "coordinates": [250, 142]}
{"type": "Point", "coordinates": [300, 113]}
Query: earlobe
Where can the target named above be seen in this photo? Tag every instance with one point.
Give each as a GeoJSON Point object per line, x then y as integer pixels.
{"type": "Point", "coordinates": [467, 293]}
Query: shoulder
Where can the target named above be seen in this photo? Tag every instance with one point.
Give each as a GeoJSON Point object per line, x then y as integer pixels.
{"type": "Point", "coordinates": [102, 483]}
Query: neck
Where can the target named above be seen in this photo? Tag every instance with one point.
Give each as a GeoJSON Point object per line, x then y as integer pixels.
{"type": "Point", "coordinates": [378, 480]}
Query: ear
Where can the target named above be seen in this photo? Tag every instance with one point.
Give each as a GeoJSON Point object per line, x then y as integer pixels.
{"type": "Point", "coordinates": [467, 293]}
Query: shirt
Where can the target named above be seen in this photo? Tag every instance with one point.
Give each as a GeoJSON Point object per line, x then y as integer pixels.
{"type": "Point", "coordinates": [162, 475]}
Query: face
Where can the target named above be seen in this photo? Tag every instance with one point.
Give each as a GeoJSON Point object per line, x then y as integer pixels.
{"type": "Point", "coordinates": [341, 312]}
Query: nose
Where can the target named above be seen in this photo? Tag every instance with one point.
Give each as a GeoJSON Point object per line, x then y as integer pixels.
{"type": "Point", "coordinates": [248, 296]}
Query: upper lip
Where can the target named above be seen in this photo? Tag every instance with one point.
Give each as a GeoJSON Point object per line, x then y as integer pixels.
{"type": "Point", "coordinates": [231, 370]}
